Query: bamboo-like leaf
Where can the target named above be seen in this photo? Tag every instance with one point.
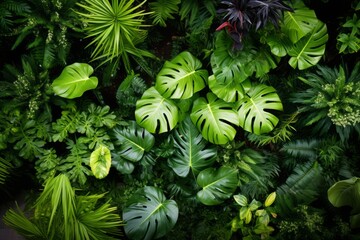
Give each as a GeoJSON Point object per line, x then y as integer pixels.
{"type": "Point", "coordinates": [149, 215]}
{"type": "Point", "coordinates": [100, 162]}
{"type": "Point", "coordinates": [215, 119]}
{"type": "Point", "coordinates": [217, 185]}
{"type": "Point", "coordinates": [181, 77]}
{"type": "Point", "coordinates": [156, 113]}
{"type": "Point", "coordinates": [74, 80]}
{"type": "Point", "coordinates": [191, 153]}
{"type": "Point", "coordinates": [254, 111]}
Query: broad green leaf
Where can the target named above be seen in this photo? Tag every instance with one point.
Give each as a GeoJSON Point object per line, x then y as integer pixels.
{"type": "Point", "coordinates": [133, 141]}
{"type": "Point", "coordinates": [254, 110]}
{"type": "Point", "coordinates": [228, 65]}
{"type": "Point", "coordinates": [191, 152]}
{"type": "Point", "coordinates": [74, 80]}
{"type": "Point", "coordinates": [149, 215]}
{"type": "Point", "coordinates": [217, 185]}
{"type": "Point", "coordinates": [347, 193]}
{"type": "Point", "coordinates": [156, 113]}
{"type": "Point", "coordinates": [299, 23]}
{"type": "Point", "coordinates": [215, 119]}
{"type": "Point", "coordinates": [181, 77]}
{"type": "Point", "coordinates": [230, 91]}
{"type": "Point", "coordinates": [308, 51]}
{"type": "Point", "coordinates": [270, 199]}
{"type": "Point", "coordinates": [122, 165]}
{"type": "Point", "coordinates": [100, 162]}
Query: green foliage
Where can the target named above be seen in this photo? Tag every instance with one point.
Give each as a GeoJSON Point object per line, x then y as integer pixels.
{"type": "Point", "coordinates": [61, 214]}
{"type": "Point", "coordinates": [162, 10]}
{"type": "Point", "coordinates": [100, 162]}
{"type": "Point", "coordinates": [215, 119]}
{"type": "Point", "coordinates": [116, 29]}
{"type": "Point", "coordinates": [181, 77]}
{"type": "Point", "coordinates": [256, 169]}
{"type": "Point", "coordinates": [133, 141]}
{"type": "Point", "coordinates": [44, 29]}
{"type": "Point", "coordinates": [129, 91]}
{"type": "Point", "coordinates": [303, 37]}
{"type": "Point", "coordinates": [5, 169]}
{"type": "Point", "coordinates": [348, 40]}
{"type": "Point", "coordinates": [254, 109]}
{"type": "Point", "coordinates": [251, 220]}
{"type": "Point", "coordinates": [217, 185]}
{"type": "Point", "coordinates": [9, 9]}
{"type": "Point", "coordinates": [301, 187]}
{"type": "Point", "coordinates": [74, 80]}
{"type": "Point", "coordinates": [191, 151]}
{"type": "Point", "coordinates": [347, 193]}
{"type": "Point", "coordinates": [333, 95]}
{"type": "Point", "coordinates": [149, 215]}
{"type": "Point", "coordinates": [156, 113]}
{"type": "Point", "coordinates": [282, 133]}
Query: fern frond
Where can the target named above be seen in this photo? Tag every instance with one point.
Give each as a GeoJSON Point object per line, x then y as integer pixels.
{"type": "Point", "coordinates": [302, 148]}
{"type": "Point", "coordinates": [301, 187]}
{"type": "Point", "coordinates": [163, 10]}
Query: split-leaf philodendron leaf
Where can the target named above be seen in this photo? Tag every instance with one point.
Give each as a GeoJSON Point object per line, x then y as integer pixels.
{"type": "Point", "coordinates": [149, 215]}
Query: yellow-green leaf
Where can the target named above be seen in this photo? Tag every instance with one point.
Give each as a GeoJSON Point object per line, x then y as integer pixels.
{"type": "Point", "coordinates": [100, 162]}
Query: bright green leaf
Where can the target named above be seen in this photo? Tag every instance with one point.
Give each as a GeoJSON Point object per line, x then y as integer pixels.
{"type": "Point", "coordinates": [100, 162]}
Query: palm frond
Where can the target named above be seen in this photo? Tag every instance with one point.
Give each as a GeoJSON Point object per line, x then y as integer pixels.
{"type": "Point", "coordinates": [301, 187]}
{"type": "Point", "coordinates": [163, 10]}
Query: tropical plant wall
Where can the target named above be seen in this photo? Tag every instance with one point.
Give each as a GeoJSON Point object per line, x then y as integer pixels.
{"type": "Point", "coordinates": [181, 119]}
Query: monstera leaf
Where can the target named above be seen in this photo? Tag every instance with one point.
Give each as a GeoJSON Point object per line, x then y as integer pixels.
{"type": "Point", "coordinates": [181, 77]}
{"type": "Point", "coordinates": [347, 193]}
{"type": "Point", "coordinates": [156, 113]}
{"type": "Point", "coordinates": [148, 215]}
{"type": "Point", "coordinates": [74, 80]}
{"type": "Point", "coordinates": [100, 162]}
{"type": "Point", "coordinates": [190, 150]}
{"type": "Point", "coordinates": [254, 110]}
{"type": "Point", "coordinates": [215, 119]}
{"type": "Point", "coordinates": [308, 51]}
{"type": "Point", "coordinates": [217, 185]}
{"type": "Point", "coordinates": [299, 23]}
{"type": "Point", "coordinates": [133, 141]}
{"type": "Point", "coordinates": [230, 91]}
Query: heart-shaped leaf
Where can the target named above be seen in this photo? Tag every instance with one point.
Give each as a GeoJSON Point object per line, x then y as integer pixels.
{"type": "Point", "coordinates": [100, 162]}
{"type": "Point", "coordinates": [74, 80]}
{"type": "Point", "coordinates": [181, 77]}
{"type": "Point", "coordinates": [156, 113]}
{"type": "Point", "coordinates": [215, 119]}
{"type": "Point", "coordinates": [190, 150]}
{"type": "Point", "coordinates": [217, 185]}
{"type": "Point", "coordinates": [254, 111]}
{"type": "Point", "coordinates": [148, 215]}
{"type": "Point", "coordinates": [133, 141]}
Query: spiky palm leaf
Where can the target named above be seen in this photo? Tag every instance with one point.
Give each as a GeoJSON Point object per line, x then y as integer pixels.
{"type": "Point", "coordinates": [116, 27]}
